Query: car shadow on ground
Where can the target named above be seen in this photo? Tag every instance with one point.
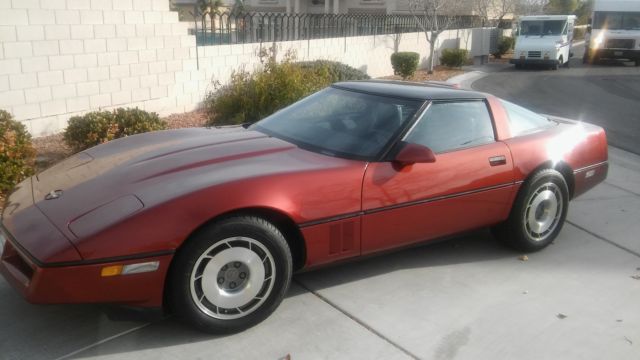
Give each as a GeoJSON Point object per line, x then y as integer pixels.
{"type": "Point", "coordinates": [39, 331]}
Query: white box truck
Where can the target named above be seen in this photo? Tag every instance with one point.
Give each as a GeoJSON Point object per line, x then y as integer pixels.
{"type": "Point", "coordinates": [544, 40]}
{"type": "Point", "coordinates": [615, 30]}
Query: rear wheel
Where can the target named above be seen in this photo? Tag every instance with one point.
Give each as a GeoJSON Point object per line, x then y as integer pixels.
{"type": "Point", "coordinates": [538, 213]}
{"type": "Point", "coordinates": [231, 275]}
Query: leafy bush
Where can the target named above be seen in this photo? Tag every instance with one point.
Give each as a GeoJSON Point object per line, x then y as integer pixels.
{"type": "Point", "coordinates": [405, 64]}
{"type": "Point", "coordinates": [337, 70]}
{"type": "Point", "coordinates": [17, 154]}
{"type": "Point", "coordinates": [249, 97]}
{"type": "Point", "coordinates": [454, 57]}
{"type": "Point", "coordinates": [99, 127]}
{"type": "Point", "coordinates": [504, 45]}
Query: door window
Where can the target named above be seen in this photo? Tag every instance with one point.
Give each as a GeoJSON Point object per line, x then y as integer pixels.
{"type": "Point", "coordinates": [448, 126]}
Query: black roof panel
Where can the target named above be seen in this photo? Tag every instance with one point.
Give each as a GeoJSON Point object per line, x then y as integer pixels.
{"type": "Point", "coordinates": [410, 90]}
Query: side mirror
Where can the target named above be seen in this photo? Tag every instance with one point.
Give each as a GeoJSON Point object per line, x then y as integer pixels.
{"type": "Point", "coordinates": [414, 153]}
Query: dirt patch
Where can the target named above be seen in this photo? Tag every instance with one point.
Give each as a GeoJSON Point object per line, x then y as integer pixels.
{"type": "Point", "coordinates": [504, 59]}
{"type": "Point", "coordinates": [440, 73]}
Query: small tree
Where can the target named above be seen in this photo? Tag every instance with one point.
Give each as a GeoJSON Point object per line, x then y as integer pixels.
{"type": "Point", "coordinates": [561, 7]}
{"type": "Point", "coordinates": [531, 7]}
{"type": "Point", "coordinates": [433, 17]}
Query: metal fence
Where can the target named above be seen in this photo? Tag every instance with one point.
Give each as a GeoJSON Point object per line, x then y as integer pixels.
{"type": "Point", "coordinates": [231, 28]}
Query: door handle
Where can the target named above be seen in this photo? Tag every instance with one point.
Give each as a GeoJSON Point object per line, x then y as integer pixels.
{"type": "Point", "coordinates": [497, 160]}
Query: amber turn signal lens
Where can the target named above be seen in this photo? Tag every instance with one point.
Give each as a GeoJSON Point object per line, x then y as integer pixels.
{"type": "Point", "coordinates": [112, 270]}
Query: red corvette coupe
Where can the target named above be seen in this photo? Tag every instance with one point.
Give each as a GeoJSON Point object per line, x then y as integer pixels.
{"type": "Point", "coordinates": [212, 222]}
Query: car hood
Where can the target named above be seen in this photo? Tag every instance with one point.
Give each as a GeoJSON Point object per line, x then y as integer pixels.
{"type": "Point", "coordinates": [145, 170]}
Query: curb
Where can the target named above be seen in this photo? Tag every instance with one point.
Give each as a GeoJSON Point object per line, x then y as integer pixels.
{"type": "Point", "coordinates": [467, 79]}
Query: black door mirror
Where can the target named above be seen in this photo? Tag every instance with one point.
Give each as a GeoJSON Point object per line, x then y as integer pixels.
{"type": "Point", "coordinates": [414, 153]}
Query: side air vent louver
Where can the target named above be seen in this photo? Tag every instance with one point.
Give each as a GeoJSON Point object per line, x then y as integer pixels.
{"type": "Point", "coordinates": [341, 238]}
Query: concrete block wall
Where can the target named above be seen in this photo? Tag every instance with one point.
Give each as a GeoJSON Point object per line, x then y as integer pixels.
{"type": "Point", "coordinates": [370, 54]}
{"type": "Point", "coordinates": [60, 58]}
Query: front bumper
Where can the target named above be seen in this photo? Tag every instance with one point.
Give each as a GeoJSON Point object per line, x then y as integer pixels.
{"type": "Point", "coordinates": [79, 282]}
{"type": "Point", "coordinates": [544, 62]}
{"type": "Point", "coordinates": [615, 54]}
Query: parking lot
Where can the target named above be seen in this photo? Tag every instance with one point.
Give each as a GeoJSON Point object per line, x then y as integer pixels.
{"type": "Point", "coordinates": [466, 298]}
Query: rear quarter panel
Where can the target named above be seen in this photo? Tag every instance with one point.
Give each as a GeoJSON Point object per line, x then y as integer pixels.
{"type": "Point", "coordinates": [578, 146]}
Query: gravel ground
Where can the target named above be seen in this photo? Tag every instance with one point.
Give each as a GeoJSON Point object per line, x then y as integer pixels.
{"type": "Point", "coordinates": [441, 73]}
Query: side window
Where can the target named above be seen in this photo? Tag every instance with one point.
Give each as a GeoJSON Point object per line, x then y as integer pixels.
{"type": "Point", "coordinates": [447, 126]}
{"type": "Point", "coordinates": [522, 121]}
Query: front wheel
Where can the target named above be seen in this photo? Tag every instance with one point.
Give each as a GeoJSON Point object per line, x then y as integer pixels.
{"type": "Point", "coordinates": [230, 275]}
{"type": "Point", "coordinates": [538, 214]}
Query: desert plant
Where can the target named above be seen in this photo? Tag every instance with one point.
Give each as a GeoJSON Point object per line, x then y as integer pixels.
{"type": "Point", "coordinates": [249, 97]}
{"type": "Point", "coordinates": [17, 155]}
{"type": "Point", "coordinates": [98, 127]}
{"type": "Point", "coordinates": [336, 70]}
{"type": "Point", "coordinates": [405, 64]}
{"type": "Point", "coordinates": [133, 121]}
{"type": "Point", "coordinates": [504, 45]}
{"type": "Point", "coordinates": [454, 57]}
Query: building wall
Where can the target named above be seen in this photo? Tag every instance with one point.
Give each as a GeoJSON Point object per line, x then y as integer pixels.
{"type": "Point", "coordinates": [61, 58]}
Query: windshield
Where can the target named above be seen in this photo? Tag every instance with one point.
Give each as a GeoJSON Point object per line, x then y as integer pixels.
{"type": "Point", "coordinates": [542, 27]}
{"type": "Point", "coordinates": [617, 20]}
{"type": "Point", "coordinates": [341, 123]}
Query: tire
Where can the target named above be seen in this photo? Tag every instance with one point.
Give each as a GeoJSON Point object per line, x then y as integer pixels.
{"type": "Point", "coordinates": [538, 213]}
{"type": "Point", "coordinates": [230, 275]}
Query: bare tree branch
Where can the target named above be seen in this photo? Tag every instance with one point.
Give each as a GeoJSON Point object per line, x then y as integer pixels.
{"type": "Point", "coordinates": [433, 17]}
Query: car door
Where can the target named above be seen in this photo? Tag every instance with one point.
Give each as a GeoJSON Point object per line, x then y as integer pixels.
{"type": "Point", "coordinates": [470, 184]}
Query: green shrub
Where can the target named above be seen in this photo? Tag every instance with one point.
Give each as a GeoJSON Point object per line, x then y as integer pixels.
{"type": "Point", "coordinates": [504, 45]}
{"type": "Point", "coordinates": [99, 127]}
{"type": "Point", "coordinates": [405, 64]}
{"type": "Point", "coordinates": [17, 155]}
{"type": "Point", "coordinates": [337, 70]}
{"type": "Point", "coordinates": [249, 97]}
{"type": "Point", "coordinates": [454, 57]}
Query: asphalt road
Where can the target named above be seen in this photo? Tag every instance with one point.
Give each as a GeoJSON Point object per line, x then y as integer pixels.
{"type": "Point", "coordinates": [605, 94]}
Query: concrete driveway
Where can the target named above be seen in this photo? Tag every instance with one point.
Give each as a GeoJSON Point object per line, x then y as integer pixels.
{"type": "Point", "coordinates": [467, 298]}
